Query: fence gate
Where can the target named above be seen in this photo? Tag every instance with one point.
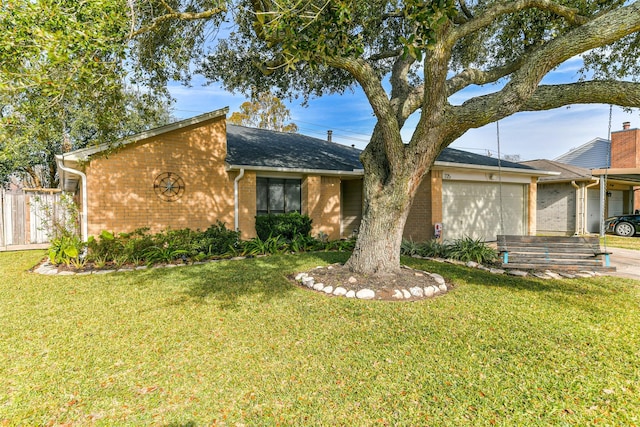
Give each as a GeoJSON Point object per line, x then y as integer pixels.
{"type": "Point", "coordinates": [25, 217]}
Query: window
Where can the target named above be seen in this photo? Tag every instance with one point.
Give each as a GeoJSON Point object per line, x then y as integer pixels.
{"type": "Point", "coordinates": [277, 195]}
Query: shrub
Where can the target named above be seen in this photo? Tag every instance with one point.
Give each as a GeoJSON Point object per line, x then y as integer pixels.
{"type": "Point", "coordinates": [65, 248]}
{"type": "Point", "coordinates": [287, 226]}
{"type": "Point", "coordinates": [468, 249]}
{"type": "Point", "coordinates": [434, 249]}
{"type": "Point", "coordinates": [218, 240]}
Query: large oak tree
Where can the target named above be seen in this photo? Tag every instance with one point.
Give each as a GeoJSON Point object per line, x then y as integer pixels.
{"type": "Point", "coordinates": [410, 57]}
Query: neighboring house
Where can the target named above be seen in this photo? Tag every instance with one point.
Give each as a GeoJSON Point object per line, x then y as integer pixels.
{"type": "Point", "coordinates": [198, 171]}
{"type": "Point", "coordinates": [592, 155]}
{"type": "Point", "coordinates": [570, 203]}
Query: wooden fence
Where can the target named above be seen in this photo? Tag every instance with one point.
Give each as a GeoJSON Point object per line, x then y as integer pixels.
{"type": "Point", "coordinates": [25, 217]}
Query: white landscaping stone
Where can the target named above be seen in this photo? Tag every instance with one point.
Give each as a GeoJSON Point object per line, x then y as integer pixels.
{"type": "Point", "coordinates": [418, 274]}
{"type": "Point", "coordinates": [542, 276]}
{"type": "Point", "coordinates": [301, 276]}
{"type": "Point", "coordinates": [436, 289]}
{"type": "Point", "coordinates": [328, 289]}
{"type": "Point", "coordinates": [365, 294]}
{"type": "Point", "coordinates": [416, 291]}
{"type": "Point", "coordinates": [67, 273]}
{"type": "Point", "coordinates": [397, 294]}
{"type": "Point", "coordinates": [517, 273]}
{"type": "Point", "coordinates": [589, 272]}
{"type": "Point", "coordinates": [308, 281]}
{"type": "Point", "coordinates": [352, 280]}
{"type": "Point", "coordinates": [318, 286]}
{"type": "Point", "coordinates": [104, 271]}
{"type": "Point", "coordinates": [443, 288]}
{"type": "Point", "coordinates": [567, 275]}
{"type": "Point", "coordinates": [583, 275]}
{"type": "Point", "coordinates": [350, 294]}
{"type": "Point", "coordinates": [552, 274]}
{"type": "Point", "coordinates": [339, 291]}
{"type": "Point", "coordinates": [496, 271]}
{"type": "Point", "coordinates": [428, 291]}
{"type": "Point", "coordinates": [472, 264]}
{"type": "Point", "coordinates": [438, 278]}
{"type": "Point", "coordinates": [406, 293]}
{"type": "Point", "coordinates": [238, 258]}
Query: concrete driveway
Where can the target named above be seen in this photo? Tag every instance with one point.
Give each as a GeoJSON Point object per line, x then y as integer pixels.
{"type": "Point", "coordinates": [626, 261]}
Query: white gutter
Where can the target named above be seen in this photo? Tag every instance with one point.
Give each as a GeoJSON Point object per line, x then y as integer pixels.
{"type": "Point", "coordinates": [531, 172]}
{"type": "Point", "coordinates": [326, 172]}
{"type": "Point", "coordinates": [235, 198]}
{"type": "Point", "coordinates": [84, 224]}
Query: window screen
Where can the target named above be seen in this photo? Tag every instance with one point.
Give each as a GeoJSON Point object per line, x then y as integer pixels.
{"type": "Point", "coordinates": [277, 195]}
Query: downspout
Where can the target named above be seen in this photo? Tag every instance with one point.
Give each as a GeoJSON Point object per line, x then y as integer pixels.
{"type": "Point", "coordinates": [235, 198]}
{"type": "Point", "coordinates": [580, 214]}
{"type": "Point", "coordinates": [586, 200]}
{"type": "Point", "coordinates": [84, 227]}
{"type": "Point", "coordinates": [581, 205]}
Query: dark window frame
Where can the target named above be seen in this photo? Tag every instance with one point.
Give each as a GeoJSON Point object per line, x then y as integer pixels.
{"type": "Point", "coordinates": [270, 184]}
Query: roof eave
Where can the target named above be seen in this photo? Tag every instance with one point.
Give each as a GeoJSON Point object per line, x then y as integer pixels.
{"type": "Point", "coordinates": [84, 153]}
{"type": "Point", "coordinates": [326, 172]}
{"type": "Point", "coordinates": [530, 172]}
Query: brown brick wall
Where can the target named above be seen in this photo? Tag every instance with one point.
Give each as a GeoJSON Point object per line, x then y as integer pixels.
{"type": "Point", "coordinates": [321, 201]}
{"type": "Point", "coordinates": [426, 210]}
{"type": "Point", "coordinates": [625, 149]}
{"type": "Point", "coordinates": [120, 185]}
{"type": "Point", "coordinates": [330, 202]}
{"type": "Point", "coordinates": [247, 205]}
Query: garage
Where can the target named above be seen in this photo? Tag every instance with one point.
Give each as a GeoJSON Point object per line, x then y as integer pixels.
{"type": "Point", "coordinates": [472, 209]}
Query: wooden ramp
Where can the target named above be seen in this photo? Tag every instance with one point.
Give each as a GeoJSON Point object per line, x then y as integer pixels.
{"type": "Point", "coordinates": [553, 253]}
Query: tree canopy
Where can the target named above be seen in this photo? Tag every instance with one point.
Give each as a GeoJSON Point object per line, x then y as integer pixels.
{"type": "Point", "coordinates": [265, 111]}
{"type": "Point", "coordinates": [410, 57]}
{"type": "Point", "coordinates": [66, 75]}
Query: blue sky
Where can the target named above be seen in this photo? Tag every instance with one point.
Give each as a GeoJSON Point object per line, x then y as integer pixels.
{"type": "Point", "coordinates": [538, 135]}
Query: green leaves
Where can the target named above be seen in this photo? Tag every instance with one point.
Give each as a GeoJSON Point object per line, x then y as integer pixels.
{"type": "Point", "coordinates": [426, 18]}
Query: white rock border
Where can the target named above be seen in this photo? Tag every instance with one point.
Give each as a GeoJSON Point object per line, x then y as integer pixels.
{"type": "Point", "coordinates": [365, 293]}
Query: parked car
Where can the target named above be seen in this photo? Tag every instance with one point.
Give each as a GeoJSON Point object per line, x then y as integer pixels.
{"type": "Point", "coordinates": [623, 225]}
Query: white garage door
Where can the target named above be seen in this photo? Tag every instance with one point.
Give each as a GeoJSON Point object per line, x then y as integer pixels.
{"type": "Point", "coordinates": [473, 209]}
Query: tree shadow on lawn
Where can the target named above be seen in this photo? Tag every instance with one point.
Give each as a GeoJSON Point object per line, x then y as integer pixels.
{"type": "Point", "coordinates": [593, 295]}
{"type": "Point", "coordinates": [463, 274]}
{"type": "Point", "coordinates": [228, 281]}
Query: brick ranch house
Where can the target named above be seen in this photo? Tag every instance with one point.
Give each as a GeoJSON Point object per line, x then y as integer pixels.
{"type": "Point", "coordinates": [194, 172]}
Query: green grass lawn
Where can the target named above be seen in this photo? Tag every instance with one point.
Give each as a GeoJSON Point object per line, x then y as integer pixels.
{"type": "Point", "coordinates": [234, 343]}
{"type": "Point", "coordinates": [621, 242]}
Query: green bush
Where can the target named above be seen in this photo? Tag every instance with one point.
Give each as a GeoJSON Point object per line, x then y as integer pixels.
{"type": "Point", "coordinates": [218, 240]}
{"type": "Point", "coordinates": [468, 249]}
{"type": "Point", "coordinates": [66, 248]}
{"type": "Point", "coordinates": [287, 226]}
{"type": "Point", "coordinates": [434, 249]}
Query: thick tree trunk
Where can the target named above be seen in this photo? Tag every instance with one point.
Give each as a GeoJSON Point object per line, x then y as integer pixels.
{"type": "Point", "coordinates": [377, 249]}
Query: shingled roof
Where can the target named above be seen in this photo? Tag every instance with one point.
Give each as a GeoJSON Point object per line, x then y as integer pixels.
{"type": "Point", "coordinates": [260, 148]}
{"type": "Point", "coordinates": [280, 150]}
{"type": "Point", "coordinates": [566, 172]}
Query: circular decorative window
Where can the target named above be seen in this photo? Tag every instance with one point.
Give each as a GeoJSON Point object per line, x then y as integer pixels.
{"type": "Point", "coordinates": [168, 186]}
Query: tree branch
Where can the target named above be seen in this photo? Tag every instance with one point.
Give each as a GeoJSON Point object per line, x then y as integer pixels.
{"type": "Point", "coordinates": [184, 16]}
{"type": "Point", "coordinates": [472, 76]}
{"type": "Point", "coordinates": [547, 97]}
{"type": "Point", "coordinates": [524, 83]}
{"type": "Point", "coordinates": [489, 16]}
